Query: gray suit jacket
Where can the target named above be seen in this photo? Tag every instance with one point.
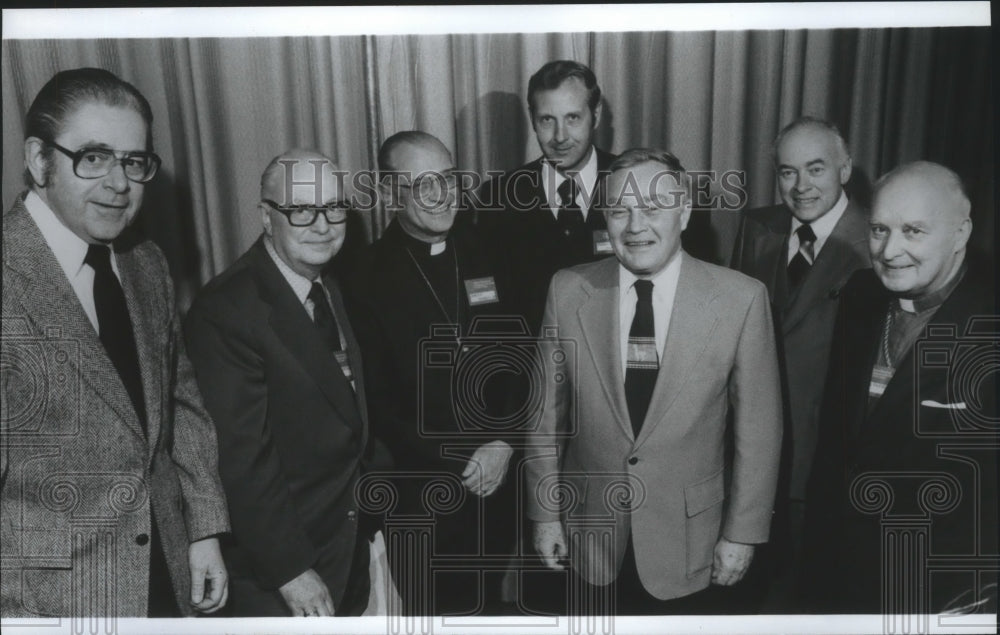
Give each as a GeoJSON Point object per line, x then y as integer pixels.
{"type": "Point", "coordinates": [79, 479]}
{"type": "Point", "coordinates": [804, 320]}
{"type": "Point", "coordinates": [668, 487]}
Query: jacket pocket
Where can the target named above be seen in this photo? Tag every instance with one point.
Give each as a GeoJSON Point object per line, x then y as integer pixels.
{"type": "Point", "coordinates": [703, 507]}
{"type": "Point", "coordinates": [47, 590]}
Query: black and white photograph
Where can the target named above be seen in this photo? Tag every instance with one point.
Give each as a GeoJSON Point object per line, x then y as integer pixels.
{"type": "Point", "coordinates": [499, 318]}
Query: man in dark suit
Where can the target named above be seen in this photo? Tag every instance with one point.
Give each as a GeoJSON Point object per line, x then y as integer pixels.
{"type": "Point", "coordinates": [540, 214]}
{"type": "Point", "coordinates": [110, 499]}
{"type": "Point", "coordinates": [277, 360]}
{"type": "Point", "coordinates": [804, 250]}
{"type": "Point", "coordinates": [415, 294]}
{"type": "Point", "coordinates": [655, 350]}
{"type": "Point", "coordinates": [902, 514]}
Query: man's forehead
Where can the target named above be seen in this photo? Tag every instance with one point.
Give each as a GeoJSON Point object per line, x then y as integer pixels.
{"type": "Point", "coordinates": [814, 143]}
{"type": "Point", "coordinates": [421, 156]}
{"type": "Point", "coordinates": [910, 203]}
{"type": "Point", "coordinates": [304, 180]}
{"type": "Point", "coordinates": [97, 123]}
{"type": "Point", "coordinates": [571, 89]}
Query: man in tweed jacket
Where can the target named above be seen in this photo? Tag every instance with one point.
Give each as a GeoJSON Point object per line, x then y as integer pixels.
{"type": "Point", "coordinates": [110, 495]}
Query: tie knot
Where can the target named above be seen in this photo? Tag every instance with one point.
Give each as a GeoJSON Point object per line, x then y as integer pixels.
{"type": "Point", "coordinates": [567, 191]}
{"type": "Point", "coordinates": [98, 257]}
{"type": "Point", "coordinates": [644, 290]}
{"type": "Point", "coordinates": [316, 294]}
{"type": "Point", "coordinates": [805, 234]}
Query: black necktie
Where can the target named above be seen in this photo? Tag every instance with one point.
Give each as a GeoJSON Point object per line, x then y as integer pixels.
{"type": "Point", "coordinates": [323, 317]}
{"type": "Point", "coordinates": [570, 217]}
{"type": "Point", "coordinates": [642, 363]}
{"type": "Point", "coordinates": [803, 259]}
{"type": "Point", "coordinates": [115, 326]}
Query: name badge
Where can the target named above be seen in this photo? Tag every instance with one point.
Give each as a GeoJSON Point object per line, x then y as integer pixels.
{"type": "Point", "coordinates": [602, 243]}
{"type": "Point", "coordinates": [481, 291]}
{"type": "Point", "coordinates": [881, 376]}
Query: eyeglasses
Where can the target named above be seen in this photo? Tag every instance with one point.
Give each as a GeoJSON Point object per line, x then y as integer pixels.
{"type": "Point", "coordinates": [93, 163]}
{"type": "Point", "coordinates": [306, 215]}
{"type": "Point", "coordinates": [432, 186]}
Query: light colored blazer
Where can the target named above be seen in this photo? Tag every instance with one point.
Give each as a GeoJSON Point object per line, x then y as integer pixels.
{"type": "Point", "coordinates": [79, 479]}
{"type": "Point", "coordinates": [670, 487]}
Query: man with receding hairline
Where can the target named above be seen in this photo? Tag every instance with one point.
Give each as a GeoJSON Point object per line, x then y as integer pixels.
{"type": "Point", "coordinates": [803, 250]}
{"type": "Point", "coordinates": [276, 357]}
{"type": "Point", "coordinates": [671, 352]}
{"type": "Point", "coordinates": [540, 215]}
{"type": "Point", "coordinates": [904, 412]}
{"type": "Point", "coordinates": [423, 272]}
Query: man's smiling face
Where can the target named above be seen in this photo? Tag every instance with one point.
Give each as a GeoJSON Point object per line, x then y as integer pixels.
{"type": "Point", "coordinates": [96, 210]}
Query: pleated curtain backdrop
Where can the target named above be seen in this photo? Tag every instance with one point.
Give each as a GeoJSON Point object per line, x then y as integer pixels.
{"type": "Point", "coordinates": [224, 106]}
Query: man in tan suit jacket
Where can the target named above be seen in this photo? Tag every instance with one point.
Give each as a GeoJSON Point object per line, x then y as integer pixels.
{"type": "Point", "coordinates": [653, 350]}
{"type": "Point", "coordinates": [110, 501]}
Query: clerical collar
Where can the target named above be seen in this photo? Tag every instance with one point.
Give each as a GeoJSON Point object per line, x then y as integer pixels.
{"type": "Point", "coordinates": [935, 299]}
{"type": "Point", "coordinates": [419, 247]}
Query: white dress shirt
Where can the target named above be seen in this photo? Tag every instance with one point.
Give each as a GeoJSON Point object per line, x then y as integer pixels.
{"type": "Point", "coordinates": [301, 286]}
{"type": "Point", "coordinates": [70, 251]}
{"type": "Point", "coordinates": [586, 178]}
{"type": "Point", "coordinates": [822, 227]}
{"type": "Point", "coordinates": [664, 290]}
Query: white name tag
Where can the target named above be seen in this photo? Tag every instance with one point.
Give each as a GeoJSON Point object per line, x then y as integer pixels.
{"type": "Point", "coordinates": [602, 243]}
{"type": "Point", "coordinates": [481, 291]}
{"type": "Point", "coordinates": [880, 379]}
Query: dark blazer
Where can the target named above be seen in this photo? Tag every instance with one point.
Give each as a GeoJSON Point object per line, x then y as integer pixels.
{"type": "Point", "coordinates": [514, 215]}
{"type": "Point", "coordinates": [80, 479]}
{"type": "Point", "coordinates": [873, 468]}
{"type": "Point", "coordinates": [291, 430]}
{"type": "Point", "coordinates": [719, 358]}
{"type": "Point", "coordinates": [804, 320]}
{"type": "Point", "coordinates": [430, 428]}
{"type": "Point", "coordinates": [394, 312]}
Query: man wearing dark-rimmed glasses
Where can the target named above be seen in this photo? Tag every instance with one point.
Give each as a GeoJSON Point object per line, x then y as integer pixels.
{"type": "Point", "coordinates": [277, 360]}
{"type": "Point", "coordinates": [111, 500]}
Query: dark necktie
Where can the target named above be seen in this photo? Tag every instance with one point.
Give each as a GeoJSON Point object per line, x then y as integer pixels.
{"type": "Point", "coordinates": [327, 327]}
{"type": "Point", "coordinates": [115, 326]}
{"type": "Point", "coordinates": [570, 217]}
{"type": "Point", "coordinates": [323, 317]}
{"type": "Point", "coordinates": [642, 363]}
{"type": "Point", "coordinates": [803, 259]}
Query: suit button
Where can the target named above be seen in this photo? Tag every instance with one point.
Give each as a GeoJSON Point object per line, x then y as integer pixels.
{"type": "Point", "coordinates": [632, 460]}
{"type": "Point", "coordinates": [352, 514]}
{"type": "Point", "coordinates": [141, 539]}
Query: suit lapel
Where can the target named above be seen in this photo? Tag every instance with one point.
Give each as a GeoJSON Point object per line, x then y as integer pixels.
{"type": "Point", "coordinates": [51, 304]}
{"type": "Point", "coordinates": [353, 353]}
{"type": "Point", "coordinates": [691, 325]}
{"type": "Point", "coordinates": [842, 253]}
{"type": "Point", "coordinates": [292, 325]}
{"type": "Point", "coordinates": [598, 317]}
{"type": "Point", "coordinates": [904, 388]}
{"type": "Point", "coordinates": [769, 248]}
{"type": "Point", "coordinates": [141, 301]}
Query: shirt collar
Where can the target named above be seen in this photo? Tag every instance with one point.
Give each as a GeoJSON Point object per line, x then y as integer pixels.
{"type": "Point", "coordinates": [300, 285]}
{"type": "Point", "coordinates": [552, 178]}
{"type": "Point", "coordinates": [69, 249]}
{"type": "Point", "coordinates": [935, 299]}
{"type": "Point", "coordinates": [667, 275]}
{"type": "Point", "coordinates": [823, 226]}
